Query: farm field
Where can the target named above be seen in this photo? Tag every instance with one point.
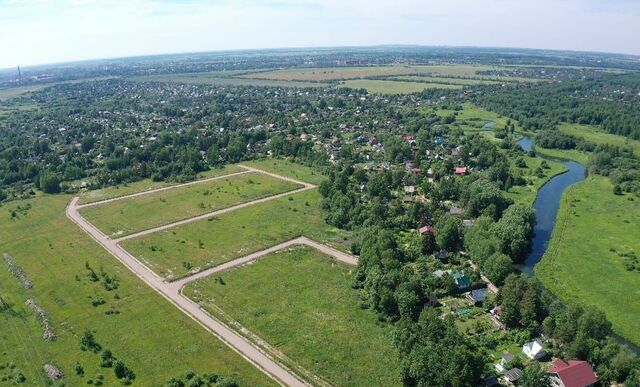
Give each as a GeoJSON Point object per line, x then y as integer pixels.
{"type": "Point", "coordinates": [176, 252]}
{"type": "Point", "coordinates": [132, 320]}
{"type": "Point", "coordinates": [146, 185]}
{"type": "Point", "coordinates": [302, 303]}
{"type": "Point", "coordinates": [224, 78]}
{"type": "Point", "coordinates": [585, 262]}
{"type": "Point", "coordinates": [375, 86]}
{"type": "Point", "coordinates": [597, 136]}
{"type": "Point", "coordinates": [128, 215]}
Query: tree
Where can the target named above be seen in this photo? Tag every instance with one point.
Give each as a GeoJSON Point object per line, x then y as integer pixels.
{"type": "Point", "coordinates": [449, 235]}
{"type": "Point", "coordinates": [534, 376]}
{"type": "Point", "coordinates": [497, 267]}
{"type": "Point", "coordinates": [49, 182]}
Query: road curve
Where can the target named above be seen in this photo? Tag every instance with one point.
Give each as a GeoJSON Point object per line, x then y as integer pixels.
{"type": "Point", "coordinates": [193, 310]}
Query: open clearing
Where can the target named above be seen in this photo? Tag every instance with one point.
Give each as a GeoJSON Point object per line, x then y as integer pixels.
{"type": "Point", "coordinates": [133, 323]}
{"type": "Point", "coordinates": [301, 302]}
{"type": "Point", "coordinates": [138, 213]}
{"type": "Point", "coordinates": [288, 169]}
{"type": "Point", "coordinates": [597, 136]}
{"type": "Point", "coordinates": [224, 78]}
{"type": "Point", "coordinates": [527, 194]}
{"type": "Point", "coordinates": [178, 251]}
{"type": "Point", "coordinates": [394, 87]}
{"type": "Point", "coordinates": [147, 185]}
{"type": "Point", "coordinates": [447, 81]}
{"type": "Point", "coordinates": [581, 267]}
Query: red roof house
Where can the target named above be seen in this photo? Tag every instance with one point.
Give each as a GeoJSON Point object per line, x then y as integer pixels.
{"type": "Point", "coordinates": [461, 171]}
{"type": "Point", "coordinates": [427, 230]}
{"type": "Point", "coordinates": [574, 373]}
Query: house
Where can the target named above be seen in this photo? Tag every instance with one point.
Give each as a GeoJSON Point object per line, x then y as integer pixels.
{"type": "Point", "coordinates": [440, 141]}
{"type": "Point", "coordinates": [468, 223]}
{"type": "Point", "coordinates": [461, 171]}
{"type": "Point", "coordinates": [409, 189]}
{"type": "Point", "coordinates": [477, 296]}
{"type": "Point", "coordinates": [432, 301]}
{"type": "Point", "coordinates": [505, 362]}
{"type": "Point", "coordinates": [461, 280]}
{"type": "Point", "coordinates": [442, 255]}
{"type": "Point", "coordinates": [574, 373]}
{"type": "Point", "coordinates": [415, 171]}
{"type": "Point", "coordinates": [456, 211]}
{"type": "Point", "coordinates": [495, 317]}
{"type": "Point", "coordinates": [513, 375]}
{"type": "Point", "coordinates": [427, 230]}
{"type": "Point", "coordinates": [410, 139]}
{"type": "Point", "coordinates": [439, 273]}
{"type": "Point", "coordinates": [534, 350]}
{"type": "Point", "coordinates": [490, 381]}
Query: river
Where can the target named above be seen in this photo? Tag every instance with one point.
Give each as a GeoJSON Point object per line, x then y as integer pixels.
{"type": "Point", "coordinates": [547, 204]}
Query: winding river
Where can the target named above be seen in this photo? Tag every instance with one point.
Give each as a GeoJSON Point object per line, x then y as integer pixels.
{"type": "Point", "coordinates": [547, 204]}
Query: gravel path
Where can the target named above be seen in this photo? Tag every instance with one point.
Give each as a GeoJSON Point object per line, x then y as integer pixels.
{"type": "Point", "coordinates": [172, 291]}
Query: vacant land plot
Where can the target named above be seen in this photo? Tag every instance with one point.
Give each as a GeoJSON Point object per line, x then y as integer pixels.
{"type": "Point", "coordinates": [288, 169]}
{"type": "Point", "coordinates": [593, 245]}
{"type": "Point", "coordinates": [597, 136]}
{"type": "Point", "coordinates": [375, 86]}
{"type": "Point", "coordinates": [175, 252]}
{"type": "Point", "coordinates": [153, 338]}
{"type": "Point", "coordinates": [146, 185]}
{"type": "Point", "coordinates": [302, 303]}
{"type": "Point", "coordinates": [128, 215]}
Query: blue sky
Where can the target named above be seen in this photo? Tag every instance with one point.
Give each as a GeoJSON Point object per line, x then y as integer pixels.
{"type": "Point", "coordinates": [47, 31]}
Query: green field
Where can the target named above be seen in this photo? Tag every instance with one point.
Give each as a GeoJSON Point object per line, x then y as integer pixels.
{"type": "Point", "coordinates": [155, 339]}
{"type": "Point", "coordinates": [289, 169]}
{"type": "Point", "coordinates": [583, 263]}
{"type": "Point", "coordinates": [473, 118]}
{"type": "Point", "coordinates": [443, 80]}
{"type": "Point", "coordinates": [597, 136]}
{"type": "Point", "coordinates": [562, 154]}
{"type": "Point", "coordinates": [302, 303]}
{"type": "Point", "coordinates": [129, 215]}
{"type": "Point", "coordinates": [375, 86]}
{"type": "Point", "coordinates": [527, 194]}
{"type": "Point", "coordinates": [176, 252]}
{"type": "Point", "coordinates": [224, 78]}
{"type": "Point", "coordinates": [146, 185]}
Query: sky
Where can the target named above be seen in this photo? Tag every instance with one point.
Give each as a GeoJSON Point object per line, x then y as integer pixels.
{"type": "Point", "coordinates": [50, 31]}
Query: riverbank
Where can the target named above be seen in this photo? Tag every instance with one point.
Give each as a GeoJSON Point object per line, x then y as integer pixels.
{"type": "Point", "coordinates": [586, 263]}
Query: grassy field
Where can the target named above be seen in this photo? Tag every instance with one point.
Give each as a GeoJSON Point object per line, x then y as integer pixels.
{"type": "Point", "coordinates": [375, 86]}
{"type": "Point", "coordinates": [561, 154]}
{"type": "Point", "coordinates": [224, 78]}
{"type": "Point", "coordinates": [155, 339]}
{"type": "Point", "coordinates": [289, 169]}
{"type": "Point", "coordinates": [129, 215]}
{"type": "Point", "coordinates": [449, 81]}
{"type": "Point", "coordinates": [584, 262]}
{"type": "Point", "coordinates": [302, 303]}
{"type": "Point", "coordinates": [527, 194]}
{"type": "Point", "coordinates": [175, 252]}
{"type": "Point", "coordinates": [597, 136]}
{"type": "Point", "coordinates": [146, 185]}
{"type": "Point", "coordinates": [474, 118]}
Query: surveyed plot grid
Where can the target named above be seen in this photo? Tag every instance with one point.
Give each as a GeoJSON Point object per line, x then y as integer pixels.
{"type": "Point", "coordinates": [259, 355]}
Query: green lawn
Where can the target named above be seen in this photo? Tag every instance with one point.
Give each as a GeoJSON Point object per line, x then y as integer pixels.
{"type": "Point", "coordinates": [580, 264]}
{"type": "Point", "coordinates": [175, 252]}
{"type": "Point", "coordinates": [394, 87]}
{"type": "Point", "coordinates": [151, 335]}
{"type": "Point", "coordinates": [138, 213]}
{"type": "Point", "coordinates": [302, 303]}
{"type": "Point", "coordinates": [289, 169]}
{"type": "Point", "coordinates": [146, 185]}
{"type": "Point", "coordinates": [597, 136]}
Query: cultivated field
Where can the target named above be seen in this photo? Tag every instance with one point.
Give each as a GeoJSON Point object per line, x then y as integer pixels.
{"type": "Point", "coordinates": [375, 86]}
{"type": "Point", "coordinates": [146, 185]}
{"type": "Point", "coordinates": [156, 340]}
{"type": "Point", "coordinates": [138, 213]}
{"type": "Point", "coordinates": [302, 303]}
{"type": "Point", "coordinates": [175, 252]}
{"type": "Point", "coordinates": [592, 247]}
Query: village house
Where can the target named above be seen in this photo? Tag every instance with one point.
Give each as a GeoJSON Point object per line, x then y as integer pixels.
{"type": "Point", "coordinates": [534, 350]}
{"type": "Point", "coordinates": [477, 296]}
{"type": "Point", "coordinates": [461, 280]}
{"type": "Point", "coordinates": [574, 373]}
{"type": "Point", "coordinates": [505, 362]}
{"type": "Point", "coordinates": [426, 230]}
{"type": "Point", "coordinates": [461, 171]}
{"type": "Point", "coordinates": [456, 211]}
{"type": "Point", "coordinates": [512, 376]}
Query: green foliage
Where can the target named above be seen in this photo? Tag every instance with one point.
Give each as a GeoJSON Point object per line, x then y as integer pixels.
{"type": "Point", "coordinates": [49, 182]}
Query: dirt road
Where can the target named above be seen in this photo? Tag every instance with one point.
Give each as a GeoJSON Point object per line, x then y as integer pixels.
{"type": "Point", "coordinates": [172, 291]}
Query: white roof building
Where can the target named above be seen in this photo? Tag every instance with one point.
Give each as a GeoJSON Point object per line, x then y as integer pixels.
{"type": "Point", "coordinates": [534, 350]}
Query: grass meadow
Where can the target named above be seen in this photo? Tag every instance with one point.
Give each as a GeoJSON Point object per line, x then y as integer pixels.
{"type": "Point", "coordinates": [155, 339]}
{"type": "Point", "coordinates": [586, 262]}
{"type": "Point", "coordinates": [138, 213]}
{"type": "Point", "coordinates": [302, 303]}
{"type": "Point", "coordinates": [376, 86]}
